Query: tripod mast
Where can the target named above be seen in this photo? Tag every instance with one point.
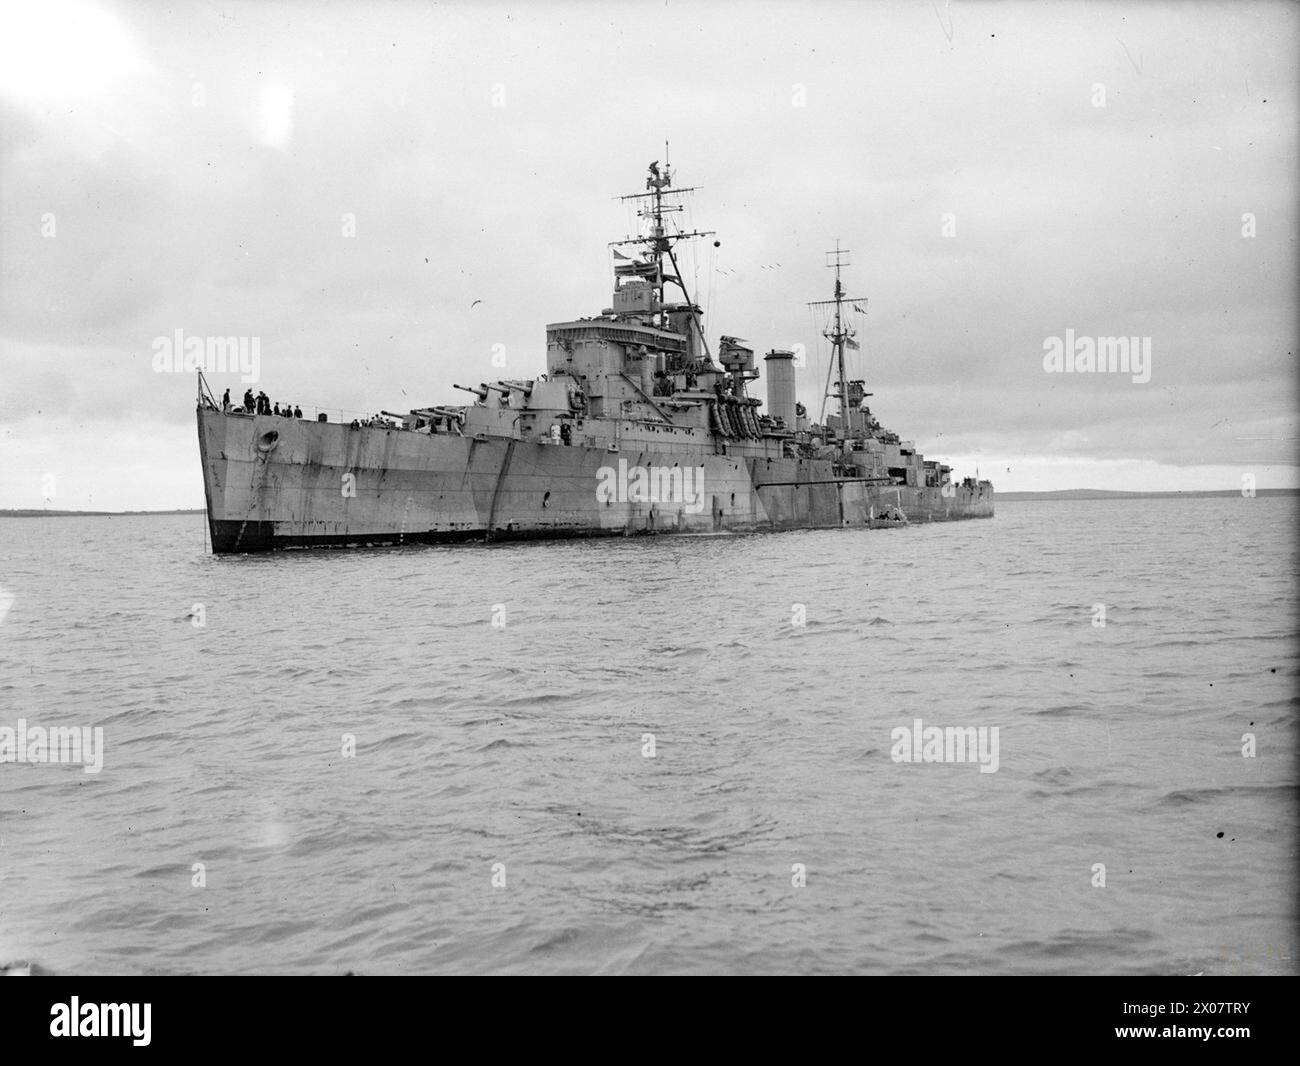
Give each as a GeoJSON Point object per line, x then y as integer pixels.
{"type": "Point", "coordinates": [840, 334]}
{"type": "Point", "coordinates": [659, 242]}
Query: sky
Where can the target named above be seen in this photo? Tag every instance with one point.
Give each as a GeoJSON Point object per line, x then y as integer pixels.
{"type": "Point", "coordinates": [383, 196]}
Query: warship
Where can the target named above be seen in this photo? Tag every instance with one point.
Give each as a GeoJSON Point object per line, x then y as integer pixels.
{"type": "Point", "coordinates": [635, 427]}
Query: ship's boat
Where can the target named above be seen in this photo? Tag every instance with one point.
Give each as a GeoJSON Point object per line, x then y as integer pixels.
{"type": "Point", "coordinates": [637, 425]}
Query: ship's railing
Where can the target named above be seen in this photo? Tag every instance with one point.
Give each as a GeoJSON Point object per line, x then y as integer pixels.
{"type": "Point", "coordinates": [309, 413]}
{"type": "Point", "coordinates": [337, 415]}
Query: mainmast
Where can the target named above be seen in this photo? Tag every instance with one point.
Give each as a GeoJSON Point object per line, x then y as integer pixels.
{"type": "Point", "coordinates": [840, 334]}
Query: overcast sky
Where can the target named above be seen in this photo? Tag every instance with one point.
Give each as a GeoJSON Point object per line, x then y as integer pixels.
{"type": "Point", "coordinates": [1002, 173]}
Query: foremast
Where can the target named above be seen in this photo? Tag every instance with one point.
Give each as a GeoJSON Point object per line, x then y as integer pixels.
{"type": "Point", "coordinates": [658, 244]}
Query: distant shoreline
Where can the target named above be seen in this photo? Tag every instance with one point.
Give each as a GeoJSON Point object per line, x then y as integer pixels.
{"type": "Point", "coordinates": [29, 513]}
{"type": "Point", "coordinates": [1113, 494]}
{"type": "Point", "coordinates": [1001, 497]}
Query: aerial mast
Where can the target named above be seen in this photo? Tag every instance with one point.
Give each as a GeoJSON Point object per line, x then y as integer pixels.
{"type": "Point", "coordinates": [840, 334]}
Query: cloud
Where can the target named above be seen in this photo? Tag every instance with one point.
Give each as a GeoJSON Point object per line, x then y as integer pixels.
{"type": "Point", "coordinates": [343, 182]}
{"type": "Point", "coordinates": [275, 116]}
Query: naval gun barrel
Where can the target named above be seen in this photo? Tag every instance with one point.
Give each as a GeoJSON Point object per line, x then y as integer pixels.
{"type": "Point", "coordinates": [481, 392]}
{"type": "Point", "coordinates": [430, 413]}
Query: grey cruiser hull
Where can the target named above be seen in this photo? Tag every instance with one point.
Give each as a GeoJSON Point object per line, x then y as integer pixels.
{"type": "Point", "coordinates": [276, 483]}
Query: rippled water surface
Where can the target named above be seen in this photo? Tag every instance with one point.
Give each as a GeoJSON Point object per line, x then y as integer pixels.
{"type": "Point", "coordinates": [525, 745]}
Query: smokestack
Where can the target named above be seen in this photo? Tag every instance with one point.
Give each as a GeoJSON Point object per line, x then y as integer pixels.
{"type": "Point", "coordinates": [780, 385]}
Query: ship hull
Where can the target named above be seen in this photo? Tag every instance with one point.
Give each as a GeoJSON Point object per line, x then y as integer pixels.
{"type": "Point", "coordinates": [273, 483]}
